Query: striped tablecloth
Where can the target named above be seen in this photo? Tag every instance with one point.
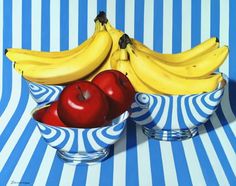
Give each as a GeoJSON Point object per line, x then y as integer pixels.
{"type": "Point", "coordinates": [164, 25]}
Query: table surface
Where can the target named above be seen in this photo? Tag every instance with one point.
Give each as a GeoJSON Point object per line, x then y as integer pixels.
{"type": "Point", "coordinates": [207, 159]}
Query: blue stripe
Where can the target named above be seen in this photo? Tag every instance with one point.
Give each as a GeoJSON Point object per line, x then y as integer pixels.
{"type": "Point", "coordinates": [45, 26]}
{"type": "Point", "coordinates": [120, 15]}
{"type": "Point", "coordinates": [139, 18]}
{"type": "Point", "coordinates": [55, 171]}
{"type": "Point", "coordinates": [206, 167]}
{"type": "Point", "coordinates": [198, 109]}
{"type": "Point", "coordinates": [64, 25]}
{"type": "Point", "coordinates": [177, 25]}
{"type": "Point", "coordinates": [7, 65]}
{"type": "Point", "coordinates": [188, 111]}
{"type": "Point", "coordinates": [158, 25]}
{"type": "Point", "coordinates": [35, 162]}
{"type": "Point", "coordinates": [80, 175]}
{"type": "Point", "coordinates": [16, 153]}
{"type": "Point", "coordinates": [106, 173]}
{"type": "Point", "coordinates": [220, 153]}
{"type": "Point", "coordinates": [75, 141]}
{"type": "Point", "coordinates": [131, 155]}
{"type": "Point", "coordinates": [181, 165]}
{"type": "Point", "coordinates": [169, 119]}
{"type": "Point", "coordinates": [83, 19]}
{"type": "Point", "coordinates": [157, 164]}
{"type": "Point", "coordinates": [101, 5]}
{"type": "Point", "coordinates": [196, 22]}
{"type": "Point", "coordinates": [215, 18]}
{"type": "Point", "coordinates": [26, 21]}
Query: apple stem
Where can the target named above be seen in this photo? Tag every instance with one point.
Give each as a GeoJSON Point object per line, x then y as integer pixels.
{"type": "Point", "coordinates": [81, 93]}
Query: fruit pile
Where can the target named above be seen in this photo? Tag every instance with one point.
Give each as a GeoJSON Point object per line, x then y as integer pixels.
{"type": "Point", "coordinates": [189, 72]}
{"type": "Point", "coordinates": [85, 104]}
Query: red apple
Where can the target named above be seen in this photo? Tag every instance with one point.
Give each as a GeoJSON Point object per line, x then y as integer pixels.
{"type": "Point", "coordinates": [50, 116]}
{"type": "Point", "coordinates": [118, 88]}
{"type": "Point", "coordinates": [39, 114]}
{"type": "Point", "coordinates": [82, 104]}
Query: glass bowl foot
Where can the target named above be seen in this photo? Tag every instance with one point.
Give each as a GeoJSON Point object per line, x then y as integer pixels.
{"type": "Point", "coordinates": [83, 157]}
{"type": "Point", "coordinates": [170, 135]}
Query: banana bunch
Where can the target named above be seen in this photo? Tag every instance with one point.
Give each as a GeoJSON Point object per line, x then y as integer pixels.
{"type": "Point", "coordinates": [189, 72]}
{"type": "Point", "coordinates": [59, 68]}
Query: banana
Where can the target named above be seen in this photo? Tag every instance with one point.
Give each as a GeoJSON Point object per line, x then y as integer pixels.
{"type": "Point", "coordinates": [115, 35]}
{"type": "Point", "coordinates": [77, 67]}
{"type": "Point", "coordinates": [120, 62]}
{"type": "Point", "coordinates": [163, 81]}
{"type": "Point", "coordinates": [198, 50]}
{"type": "Point", "coordinates": [197, 67]}
{"type": "Point", "coordinates": [21, 55]}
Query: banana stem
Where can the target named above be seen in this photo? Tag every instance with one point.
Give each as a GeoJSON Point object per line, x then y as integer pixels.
{"type": "Point", "coordinates": [123, 54]}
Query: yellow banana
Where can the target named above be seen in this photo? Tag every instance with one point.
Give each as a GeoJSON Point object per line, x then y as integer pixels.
{"type": "Point", "coordinates": [21, 55]}
{"type": "Point", "coordinates": [115, 35]}
{"type": "Point", "coordinates": [163, 81]}
{"type": "Point", "coordinates": [120, 62]}
{"type": "Point", "coordinates": [198, 50]}
{"type": "Point", "coordinates": [198, 67]}
{"type": "Point", "coordinates": [77, 67]}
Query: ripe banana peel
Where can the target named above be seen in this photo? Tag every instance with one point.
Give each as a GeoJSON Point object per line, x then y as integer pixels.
{"type": "Point", "coordinates": [196, 51]}
{"type": "Point", "coordinates": [161, 80]}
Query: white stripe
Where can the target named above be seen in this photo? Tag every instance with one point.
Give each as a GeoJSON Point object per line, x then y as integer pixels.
{"type": "Point", "coordinates": [129, 18]}
{"type": "Point", "coordinates": [194, 167]}
{"type": "Point", "coordinates": [111, 11]}
{"type": "Point", "coordinates": [168, 164]}
{"type": "Point", "coordinates": [186, 25]}
{"type": "Point", "coordinates": [25, 156]}
{"type": "Point", "coordinates": [205, 20]}
{"type": "Point", "coordinates": [93, 174]}
{"type": "Point", "coordinates": [224, 31]}
{"type": "Point", "coordinates": [16, 78]}
{"type": "Point", "coordinates": [15, 135]}
{"type": "Point", "coordinates": [167, 25]}
{"type": "Point", "coordinates": [148, 23]}
{"type": "Point", "coordinates": [73, 23]}
{"type": "Point", "coordinates": [225, 143]}
{"type": "Point", "coordinates": [36, 25]}
{"type": "Point", "coordinates": [67, 175]}
{"type": "Point", "coordinates": [81, 147]}
{"type": "Point", "coordinates": [174, 119]}
{"type": "Point", "coordinates": [211, 153]}
{"type": "Point", "coordinates": [54, 25]}
{"type": "Point", "coordinates": [45, 166]}
{"type": "Point", "coordinates": [143, 154]}
{"type": "Point", "coordinates": [119, 167]}
{"type": "Point", "coordinates": [92, 13]}
{"type": "Point", "coordinates": [1, 45]}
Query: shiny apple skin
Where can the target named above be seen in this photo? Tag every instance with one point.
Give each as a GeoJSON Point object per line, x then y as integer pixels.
{"type": "Point", "coordinates": [82, 104]}
{"type": "Point", "coordinates": [51, 117]}
{"type": "Point", "coordinates": [119, 90]}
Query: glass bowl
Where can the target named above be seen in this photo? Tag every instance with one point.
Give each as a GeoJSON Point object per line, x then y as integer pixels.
{"type": "Point", "coordinates": [82, 145]}
{"type": "Point", "coordinates": [174, 117]}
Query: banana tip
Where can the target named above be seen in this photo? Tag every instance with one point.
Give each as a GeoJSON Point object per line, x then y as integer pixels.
{"type": "Point", "coordinates": [5, 52]}
{"type": "Point", "coordinates": [217, 40]}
